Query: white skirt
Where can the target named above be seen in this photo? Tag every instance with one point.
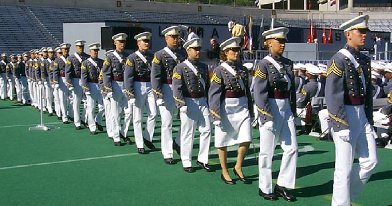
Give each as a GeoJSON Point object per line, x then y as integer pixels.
{"type": "Point", "coordinates": [235, 123]}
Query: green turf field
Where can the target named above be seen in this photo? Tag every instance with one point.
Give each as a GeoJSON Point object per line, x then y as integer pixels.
{"type": "Point", "coordinates": [69, 167]}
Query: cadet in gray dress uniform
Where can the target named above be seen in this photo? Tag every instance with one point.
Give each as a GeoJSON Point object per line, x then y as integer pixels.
{"type": "Point", "coordinates": [60, 81]}
{"type": "Point", "coordinates": [72, 76]}
{"type": "Point", "coordinates": [10, 76]}
{"type": "Point", "coordinates": [25, 81]}
{"type": "Point", "coordinates": [39, 88]}
{"type": "Point", "coordinates": [190, 86]}
{"type": "Point", "coordinates": [275, 101]}
{"type": "Point", "coordinates": [90, 70]}
{"type": "Point", "coordinates": [138, 81]}
{"type": "Point", "coordinates": [106, 103]}
{"type": "Point", "coordinates": [231, 107]}
{"type": "Point", "coordinates": [3, 77]}
{"type": "Point", "coordinates": [161, 80]}
{"type": "Point", "coordinates": [29, 65]}
{"type": "Point", "coordinates": [300, 78]}
{"type": "Point", "coordinates": [311, 89]}
{"type": "Point", "coordinates": [348, 93]}
{"type": "Point", "coordinates": [45, 71]}
{"type": "Point", "coordinates": [113, 83]}
{"type": "Point", "coordinates": [56, 97]}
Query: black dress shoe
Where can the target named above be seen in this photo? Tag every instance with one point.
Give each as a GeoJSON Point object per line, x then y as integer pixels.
{"type": "Point", "coordinates": [59, 118]}
{"type": "Point", "coordinates": [242, 179]}
{"type": "Point", "coordinates": [189, 169]}
{"type": "Point", "coordinates": [141, 151]}
{"type": "Point", "coordinates": [117, 143]}
{"type": "Point", "coordinates": [66, 122]}
{"type": "Point", "coordinates": [229, 182]}
{"type": "Point", "coordinates": [93, 132]}
{"type": "Point", "coordinates": [50, 114]}
{"type": "Point", "coordinates": [99, 127]}
{"type": "Point", "coordinates": [78, 127]}
{"type": "Point", "coordinates": [380, 143]}
{"type": "Point", "coordinates": [149, 144]}
{"type": "Point", "coordinates": [205, 166]}
{"type": "Point", "coordinates": [177, 148]}
{"type": "Point", "coordinates": [271, 196]}
{"type": "Point", "coordinates": [169, 161]}
{"type": "Point", "coordinates": [84, 123]}
{"type": "Point", "coordinates": [125, 139]}
{"type": "Point", "coordinates": [284, 192]}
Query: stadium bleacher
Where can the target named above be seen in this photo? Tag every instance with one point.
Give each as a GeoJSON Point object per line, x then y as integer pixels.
{"type": "Point", "coordinates": [30, 27]}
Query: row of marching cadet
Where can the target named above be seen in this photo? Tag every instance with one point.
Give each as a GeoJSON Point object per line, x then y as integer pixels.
{"type": "Point", "coordinates": [277, 96]}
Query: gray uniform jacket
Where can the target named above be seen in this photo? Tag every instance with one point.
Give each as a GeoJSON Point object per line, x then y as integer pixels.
{"type": "Point", "coordinates": [3, 68]}
{"type": "Point", "coordinates": [37, 70]}
{"type": "Point", "coordinates": [187, 84]}
{"type": "Point", "coordinates": [345, 87]}
{"type": "Point", "coordinates": [270, 83]}
{"type": "Point", "coordinates": [113, 70]}
{"type": "Point", "coordinates": [58, 69]}
{"type": "Point", "coordinates": [162, 69]}
{"type": "Point", "coordinates": [45, 70]}
{"type": "Point", "coordinates": [90, 73]}
{"type": "Point", "coordinates": [136, 70]}
{"type": "Point", "coordinates": [308, 91]}
{"type": "Point", "coordinates": [72, 67]}
{"type": "Point", "coordinates": [29, 69]}
{"type": "Point", "coordinates": [224, 85]}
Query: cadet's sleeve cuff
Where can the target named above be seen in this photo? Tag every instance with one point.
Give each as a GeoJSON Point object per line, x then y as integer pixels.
{"type": "Point", "coordinates": [158, 93]}
{"type": "Point", "coordinates": [337, 119]}
{"type": "Point", "coordinates": [215, 114]}
{"type": "Point", "coordinates": [177, 99]}
{"type": "Point", "coordinates": [264, 112]}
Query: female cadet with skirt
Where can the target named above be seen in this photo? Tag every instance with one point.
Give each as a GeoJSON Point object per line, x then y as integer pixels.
{"type": "Point", "coordinates": [274, 93]}
{"type": "Point", "coordinates": [229, 102]}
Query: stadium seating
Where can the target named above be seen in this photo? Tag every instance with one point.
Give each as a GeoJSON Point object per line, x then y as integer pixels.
{"type": "Point", "coordinates": [29, 27]}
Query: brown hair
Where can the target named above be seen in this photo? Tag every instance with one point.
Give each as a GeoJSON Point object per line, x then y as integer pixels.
{"type": "Point", "coordinates": [222, 55]}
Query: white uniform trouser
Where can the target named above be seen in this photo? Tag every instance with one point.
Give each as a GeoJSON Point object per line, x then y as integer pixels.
{"type": "Point", "coordinates": [381, 119]}
{"type": "Point", "coordinates": [3, 85]}
{"type": "Point", "coordinates": [144, 99]}
{"type": "Point", "coordinates": [10, 87]}
{"type": "Point", "coordinates": [77, 99]}
{"type": "Point", "coordinates": [117, 104]}
{"type": "Point", "coordinates": [128, 116]}
{"type": "Point", "coordinates": [324, 118]}
{"type": "Point", "coordinates": [48, 96]}
{"type": "Point", "coordinates": [166, 111]}
{"type": "Point", "coordinates": [40, 91]}
{"type": "Point", "coordinates": [283, 130]}
{"type": "Point", "coordinates": [94, 97]}
{"type": "Point", "coordinates": [63, 97]}
{"type": "Point", "coordinates": [18, 89]}
{"type": "Point", "coordinates": [348, 179]}
{"type": "Point", "coordinates": [56, 99]}
{"type": "Point", "coordinates": [24, 89]}
{"type": "Point", "coordinates": [108, 123]}
{"type": "Point", "coordinates": [35, 95]}
{"type": "Point", "coordinates": [31, 92]}
{"type": "Point", "coordinates": [196, 116]}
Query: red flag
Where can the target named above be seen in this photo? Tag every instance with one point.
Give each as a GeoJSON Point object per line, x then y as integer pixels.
{"type": "Point", "coordinates": [330, 40]}
{"type": "Point", "coordinates": [324, 40]}
{"type": "Point", "coordinates": [310, 33]}
{"type": "Point", "coordinates": [314, 32]}
{"type": "Point", "coordinates": [332, 2]}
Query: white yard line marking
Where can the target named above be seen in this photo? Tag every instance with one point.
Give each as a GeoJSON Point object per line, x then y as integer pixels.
{"type": "Point", "coordinates": [28, 125]}
{"type": "Point", "coordinates": [67, 161]}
